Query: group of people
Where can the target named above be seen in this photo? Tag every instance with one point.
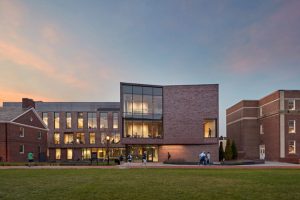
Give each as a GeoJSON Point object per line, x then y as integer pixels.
{"type": "Point", "coordinates": [129, 158]}
{"type": "Point", "coordinates": [204, 158]}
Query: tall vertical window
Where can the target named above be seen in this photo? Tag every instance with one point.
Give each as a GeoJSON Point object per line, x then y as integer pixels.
{"type": "Point", "coordinates": [39, 137]}
{"type": "Point", "coordinates": [92, 138]}
{"type": "Point", "coordinates": [115, 120]}
{"type": "Point", "coordinates": [68, 120]}
{"type": "Point", "coordinates": [261, 129]}
{"type": "Point", "coordinates": [21, 149]}
{"type": "Point", "coordinates": [292, 126]}
{"type": "Point", "coordinates": [56, 120]}
{"type": "Point", "coordinates": [103, 120]}
{"type": "Point", "coordinates": [92, 120]}
{"type": "Point", "coordinates": [21, 132]}
{"type": "Point", "coordinates": [69, 154]}
{"type": "Point", "coordinates": [80, 120]}
{"type": "Point", "coordinates": [210, 128]}
{"type": "Point", "coordinates": [103, 138]}
{"type": "Point", "coordinates": [56, 138]}
{"type": "Point", "coordinates": [260, 111]}
{"type": "Point", "coordinates": [69, 138]}
{"type": "Point", "coordinates": [57, 154]}
{"type": "Point", "coordinates": [291, 104]}
{"type": "Point", "coordinates": [45, 117]}
{"type": "Point", "coordinates": [116, 138]}
{"type": "Point", "coordinates": [80, 138]}
{"type": "Point", "coordinates": [292, 147]}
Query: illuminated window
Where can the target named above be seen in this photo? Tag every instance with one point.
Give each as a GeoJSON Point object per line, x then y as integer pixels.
{"type": "Point", "coordinates": [92, 120]}
{"type": "Point", "coordinates": [69, 138]}
{"type": "Point", "coordinates": [86, 153]}
{"type": "Point", "coordinates": [116, 138]}
{"type": "Point", "coordinates": [21, 149]}
{"type": "Point", "coordinates": [103, 120]}
{"type": "Point", "coordinates": [56, 120]}
{"type": "Point", "coordinates": [68, 120]}
{"type": "Point", "coordinates": [45, 117]}
{"type": "Point", "coordinates": [292, 126]}
{"type": "Point", "coordinates": [103, 138]}
{"type": "Point", "coordinates": [115, 120]}
{"type": "Point", "coordinates": [57, 154]}
{"type": "Point", "coordinates": [80, 138]}
{"type": "Point", "coordinates": [291, 104]}
{"type": "Point", "coordinates": [292, 147]}
{"type": "Point", "coordinates": [69, 154]}
{"type": "Point", "coordinates": [56, 138]}
{"type": "Point", "coordinates": [210, 128]}
{"type": "Point", "coordinates": [92, 138]}
{"type": "Point", "coordinates": [80, 120]}
{"type": "Point", "coordinates": [21, 132]}
{"type": "Point", "coordinates": [261, 129]}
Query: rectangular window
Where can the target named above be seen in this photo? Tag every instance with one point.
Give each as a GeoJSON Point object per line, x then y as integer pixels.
{"type": "Point", "coordinates": [69, 154]}
{"type": "Point", "coordinates": [80, 120]}
{"type": "Point", "coordinates": [21, 132]}
{"type": "Point", "coordinates": [39, 135]}
{"type": "Point", "coordinates": [103, 120]}
{"type": "Point", "coordinates": [292, 126]}
{"type": "Point", "coordinates": [69, 138]}
{"type": "Point", "coordinates": [68, 120]}
{"type": "Point", "coordinates": [80, 138]}
{"type": "Point", "coordinates": [56, 138]}
{"type": "Point", "coordinates": [115, 120]}
{"type": "Point", "coordinates": [86, 153]}
{"type": "Point", "coordinates": [45, 117]}
{"type": "Point", "coordinates": [292, 147]}
{"type": "Point", "coordinates": [56, 120]}
{"type": "Point", "coordinates": [92, 120]}
{"type": "Point", "coordinates": [116, 138]}
{"type": "Point", "coordinates": [21, 149]}
{"type": "Point", "coordinates": [92, 138]}
{"type": "Point", "coordinates": [57, 154]}
{"type": "Point", "coordinates": [103, 138]}
{"type": "Point", "coordinates": [261, 129]}
{"type": "Point", "coordinates": [210, 128]}
{"type": "Point", "coordinates": [291, 104]}
{"type": "Point", "coordinates": [260, 111]}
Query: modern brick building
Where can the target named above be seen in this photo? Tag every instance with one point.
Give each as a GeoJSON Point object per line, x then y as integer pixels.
{"type": "Point", "coordinates": [266, 128]}
{"type": "Point", "coordinates": [179, 121]}
{"type": "Point", "coordinates": [22, 131]}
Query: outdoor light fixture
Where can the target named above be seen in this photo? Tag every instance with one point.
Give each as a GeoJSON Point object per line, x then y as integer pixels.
{"type": "Point", "coordinates": [107, 148]}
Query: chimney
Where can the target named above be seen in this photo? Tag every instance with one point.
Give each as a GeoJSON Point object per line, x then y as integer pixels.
{"type": "Point", "coordinates": [28, 103]}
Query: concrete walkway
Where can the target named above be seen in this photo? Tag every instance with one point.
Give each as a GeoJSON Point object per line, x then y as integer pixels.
{"type": "Point", "coordinates": [267, 165]}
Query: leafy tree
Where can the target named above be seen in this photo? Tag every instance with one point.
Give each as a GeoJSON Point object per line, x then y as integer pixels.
{"type": "Point", "coordinates": [234, 150]}
{"type": "Point", "coordinates": [221, 152]}
{"type": "Point", "coordinates": [228, 150]}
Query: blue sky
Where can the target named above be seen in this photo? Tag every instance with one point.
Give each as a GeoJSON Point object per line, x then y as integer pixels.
{"type": "Point", "coordinates": [80, 50]}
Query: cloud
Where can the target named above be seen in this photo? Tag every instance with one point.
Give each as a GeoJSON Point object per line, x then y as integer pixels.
{"type": "Point", "coordinates": [272, 43]}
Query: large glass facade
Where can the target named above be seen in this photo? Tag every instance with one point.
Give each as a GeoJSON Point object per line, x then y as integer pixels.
{"type": "Point", "coordinates": [142, 111]}
{"type": "Point", "coordinates": [115, 120]}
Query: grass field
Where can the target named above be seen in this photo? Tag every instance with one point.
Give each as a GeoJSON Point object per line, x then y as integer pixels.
{"type": "Point", "coordinates": [150, 184]}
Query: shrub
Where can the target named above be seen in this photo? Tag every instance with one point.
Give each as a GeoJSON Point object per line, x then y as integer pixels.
{"type": "Point", "coordinates": [234, 150]}
{"type": "Point", "coordinates": [228, 150]}
{"type": "Point", "coordinates": [221, 152]}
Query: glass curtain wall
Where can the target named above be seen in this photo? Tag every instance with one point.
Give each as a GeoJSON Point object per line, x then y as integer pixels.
{"type": "Point", "coordinates": [142, 111]}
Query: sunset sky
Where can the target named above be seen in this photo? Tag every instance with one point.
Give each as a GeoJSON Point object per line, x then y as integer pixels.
{"type": "Point", "coordinates": [80, 50]}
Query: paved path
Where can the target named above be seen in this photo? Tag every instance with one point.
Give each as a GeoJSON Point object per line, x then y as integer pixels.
{"type": "Point", "coordinates": [267, 165]}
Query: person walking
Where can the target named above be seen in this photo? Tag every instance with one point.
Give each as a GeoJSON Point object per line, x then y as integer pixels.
{"type": "Point", "coordinates": [30, 158]}
{"type": "Point", "coordinates": [144, 158]}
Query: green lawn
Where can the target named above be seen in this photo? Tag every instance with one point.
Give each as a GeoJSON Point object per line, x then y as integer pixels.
{"type": "Point", "coordinates": [150, 184]}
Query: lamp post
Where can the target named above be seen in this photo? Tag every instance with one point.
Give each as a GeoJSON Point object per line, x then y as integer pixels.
{"type": "Point", "coordinates": [107, 148]}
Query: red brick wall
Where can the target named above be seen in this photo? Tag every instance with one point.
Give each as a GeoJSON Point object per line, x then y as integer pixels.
{"type": "Point", "coordinates": [26, 119]}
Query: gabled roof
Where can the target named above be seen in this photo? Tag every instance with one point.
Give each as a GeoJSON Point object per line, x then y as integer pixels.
{"type": "Point", "coordinates": [10, 113]}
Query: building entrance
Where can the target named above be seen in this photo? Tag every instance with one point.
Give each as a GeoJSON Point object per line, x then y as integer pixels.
{"type": "Point", "coordinates": [137, 152]}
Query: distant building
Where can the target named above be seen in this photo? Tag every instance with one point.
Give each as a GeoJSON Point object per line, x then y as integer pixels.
{"type": "Point", "coordinates": [22, 131]}
{"type": "Point", "coordinates": [267, 128]}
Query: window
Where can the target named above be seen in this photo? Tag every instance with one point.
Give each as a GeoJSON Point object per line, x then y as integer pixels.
{"type": "Point", "coordinates": [39, 135]}
{"type": "Point", "coordinates": [116, 138]}
{"type": "Point", "coordinates": [80, 120]}
{"type": "Point", "coordinates": [292, 126]}
{"type": "Point", "coordinates": [92, 138]}
{"type": "Point", "coordinates": [69, 138]}
{"type": "Point", "coordinates": [103, 138]}
{"type": "Point", "coordinates": [57, 154]}
{"type": "Point", "coordinates": [103, 120]}
{"type": "Point", "coordinates": [261, 129]}
{"type": "Point", "coordinates": [45, 117]}
{"type": "Point", "coordinates": [68, 120]}
{"type": "Point", "coordinates": [69, 154]}
{"type": "Point", "coordinates": [92, 120]}
{"type": "Point", "coordinates": [210, 128]}
{"type": "Point", "coordinates": [260, 111]}
{"type": "Point", "coordinates": [86, 153]}
{"type": "Point", "coordinates": [56, 120]}
{"type": "Point", "coordinates": [21, 132]}
{"type": "Point", "coordinates": [115, 120]}
{"type": "Point", "coordinates": [292, 147]}
{"type": "Point", "coordinates": [291, 104]}
{"type": "Point", "coordinates": [21, 149]}
{"type": "Point", "coordinates": [80, 138]}
{"type": "Point", "coordinates": [56, 138]}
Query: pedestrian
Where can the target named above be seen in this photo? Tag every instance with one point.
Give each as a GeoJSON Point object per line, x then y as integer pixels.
{"type": "Point", "coordinates": [129, 158]}
{"type": "Point", "coordinates": [169, 156]}
{"type": "Point", "coordinates": [144, 158]}
{"type": "Point", "coordinates": [30, 158]}
{"type": "Point", "coordinates": [202, 158]}
{"type": "Point", "coordinates": [208, 158]}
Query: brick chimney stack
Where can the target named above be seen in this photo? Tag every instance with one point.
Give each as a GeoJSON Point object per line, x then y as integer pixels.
{"type": "Point", "coordinates": [28, 103]}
